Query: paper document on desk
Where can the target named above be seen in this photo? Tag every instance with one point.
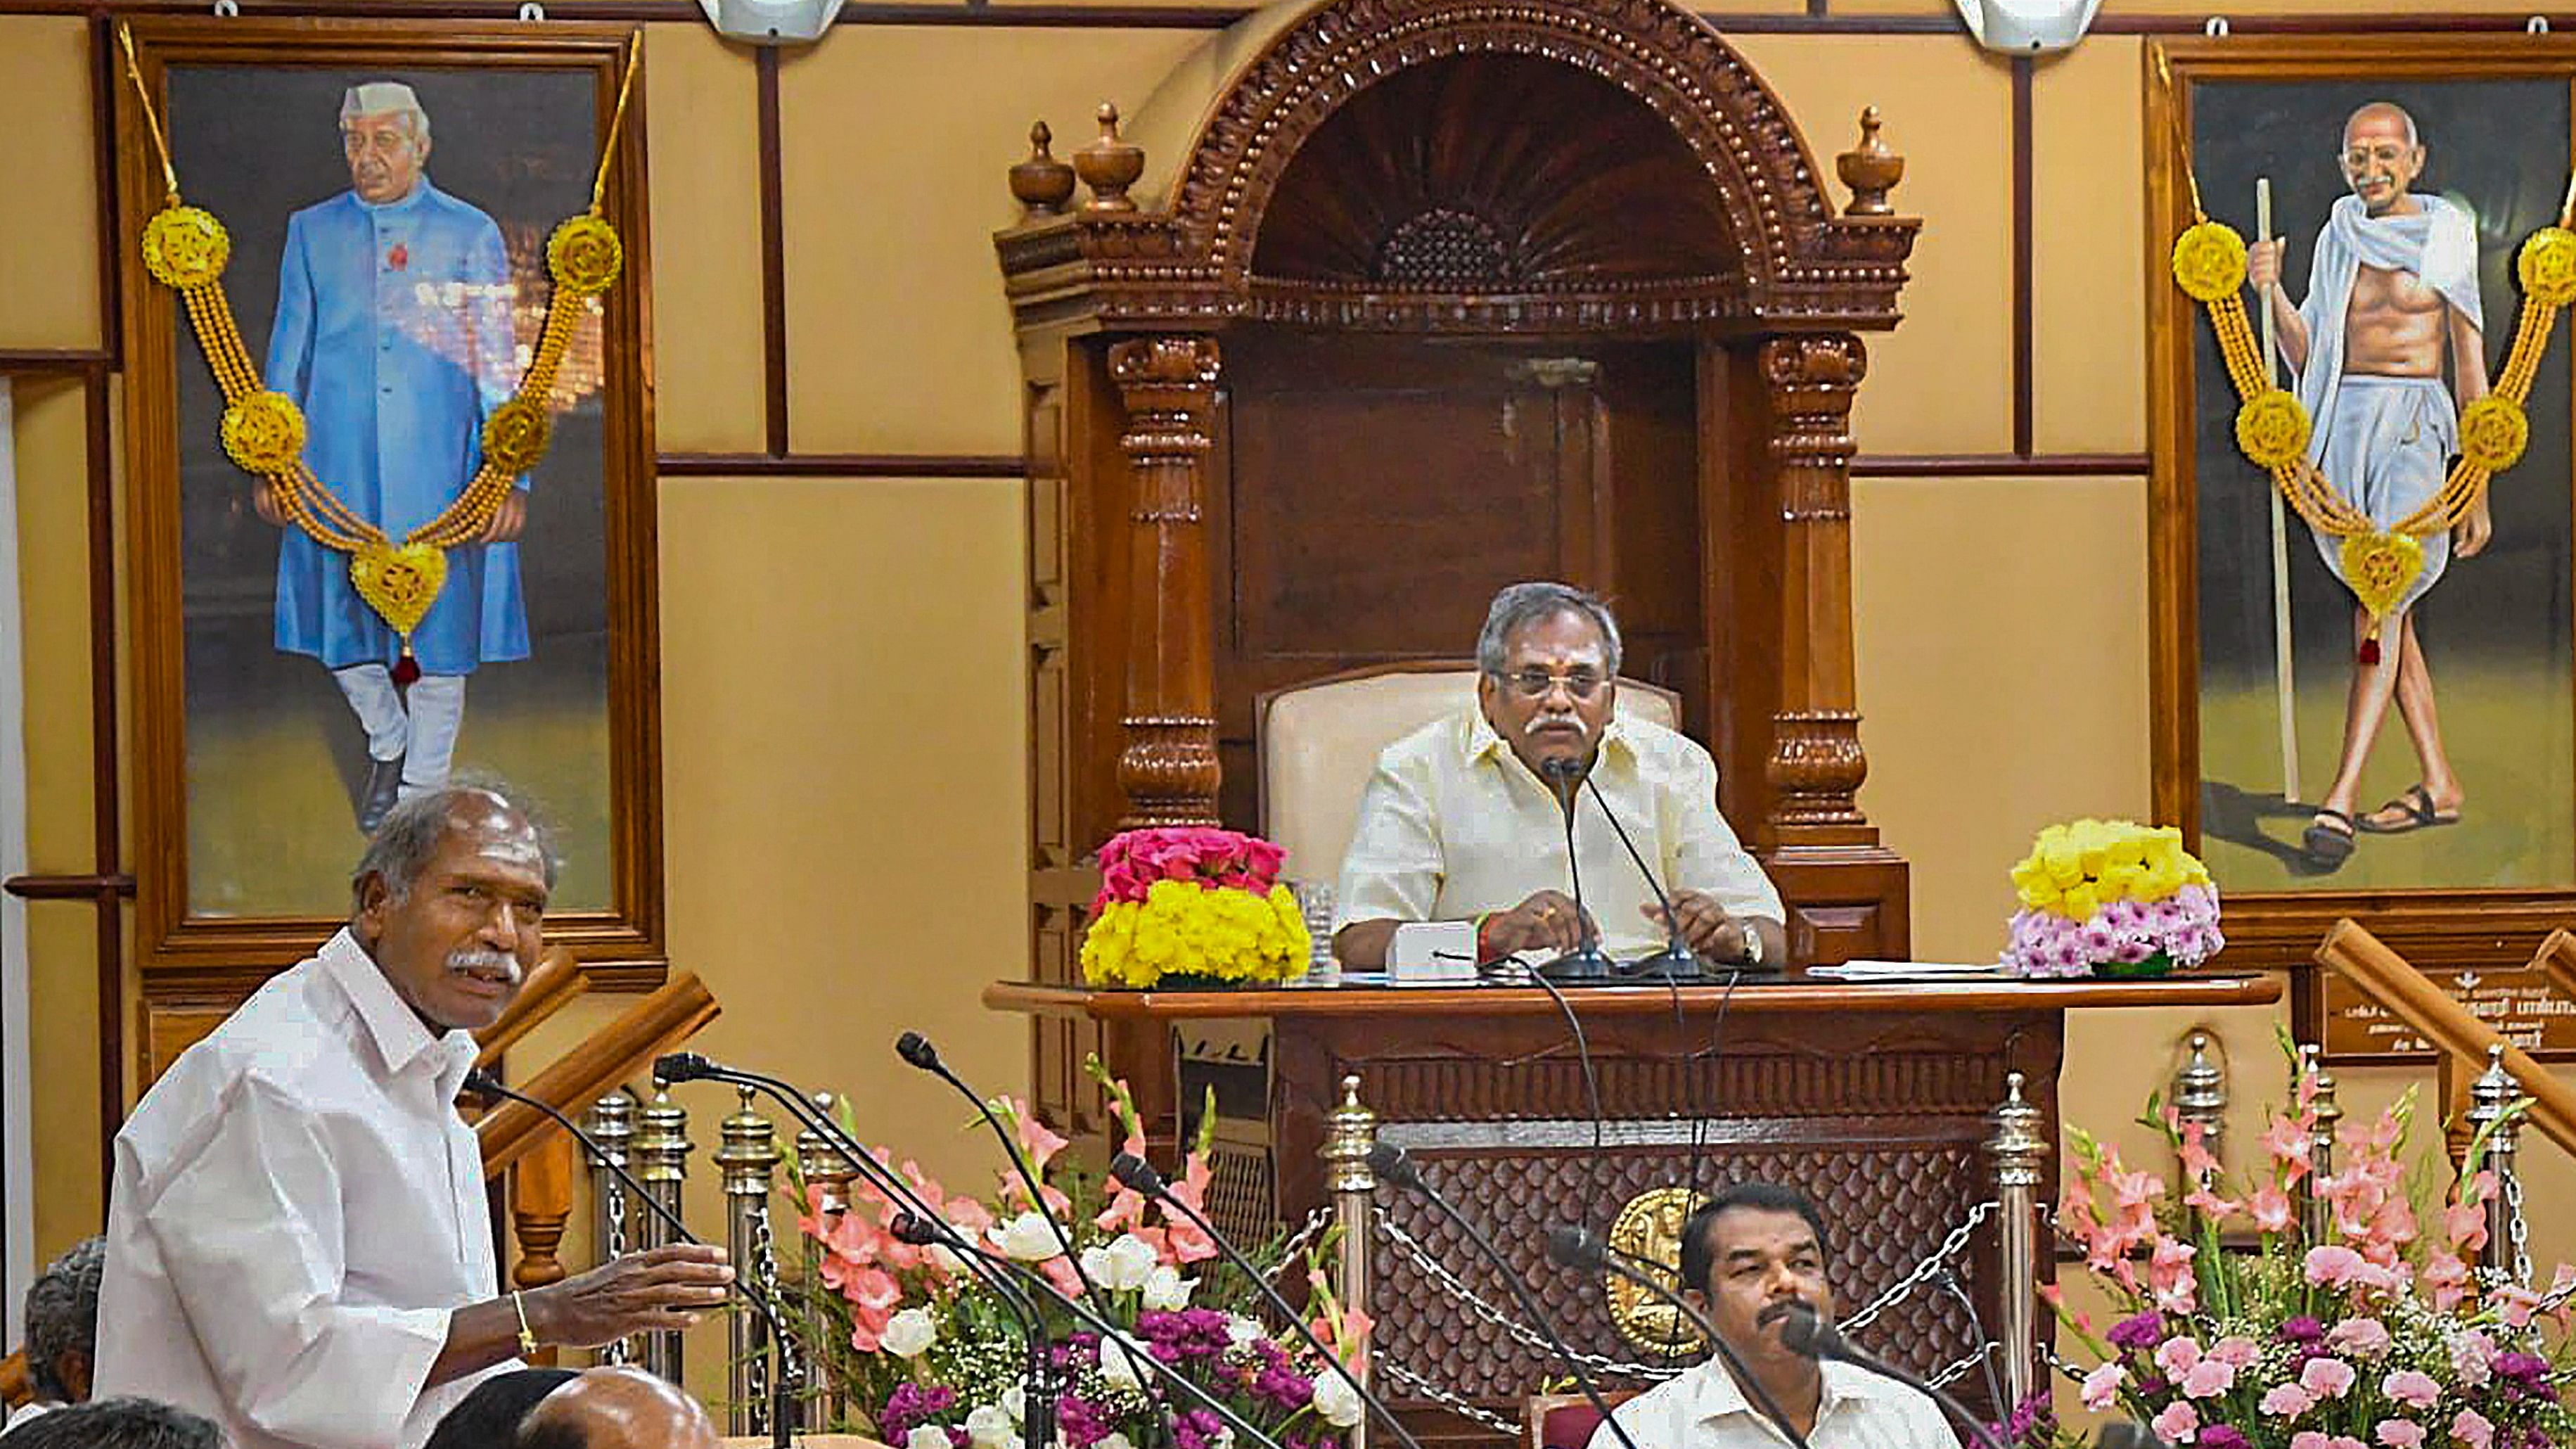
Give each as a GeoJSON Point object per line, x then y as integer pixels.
{"type": "Point", "coordinates": [1909, 971]}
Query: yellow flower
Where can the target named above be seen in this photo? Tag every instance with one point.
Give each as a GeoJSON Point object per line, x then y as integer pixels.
{"type": "Point", "coordinates": [2547, 266]}
{"type": "Point", "coordinates": [2080, 904]}
{"type": "Point", "coordinates": [2209, 261]}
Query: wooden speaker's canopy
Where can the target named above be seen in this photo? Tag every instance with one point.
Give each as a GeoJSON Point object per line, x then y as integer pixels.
{"type": "Point", "coordinates": [1546, 166]}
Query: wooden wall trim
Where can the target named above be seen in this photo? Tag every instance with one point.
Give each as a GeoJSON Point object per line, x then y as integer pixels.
{"type": "Point", "coordinates": [841, 465]}
{"type": "Point", "coordinates": [2025, 326]}
{"type": "Point", "coordinates": [773, 261]}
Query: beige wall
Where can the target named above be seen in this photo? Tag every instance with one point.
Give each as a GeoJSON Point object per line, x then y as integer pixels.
{"type": "Point", "coordinates": [841, 676]}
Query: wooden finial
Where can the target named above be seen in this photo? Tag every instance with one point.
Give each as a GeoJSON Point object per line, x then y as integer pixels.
{"type": "Point", "coordinates": [1109, 165]}
{"type": "Point", "coordinates": [1870, 169]}
{"type": "Point", "coordinates": [1042, 183]}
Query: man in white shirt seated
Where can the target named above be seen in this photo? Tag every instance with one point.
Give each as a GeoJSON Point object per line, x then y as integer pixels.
{"type": "Point", "coordinates": [298, 1245]}
{"type": "Point", "coordinates": [62, 1330]}
{"type": "Point", "coordinates": [1460, 822]}
{"type": "Point", "coordinates": [1747, 1255]}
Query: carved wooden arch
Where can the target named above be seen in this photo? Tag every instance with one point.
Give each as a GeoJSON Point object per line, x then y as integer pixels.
{"type": "Point", "coordinates": [1677, 65]}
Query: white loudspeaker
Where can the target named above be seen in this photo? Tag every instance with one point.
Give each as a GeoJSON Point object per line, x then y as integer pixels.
{"type": "Point", "coordinates": [772, 22]}
{"type": "Point", "coordinates": [2027, 27]}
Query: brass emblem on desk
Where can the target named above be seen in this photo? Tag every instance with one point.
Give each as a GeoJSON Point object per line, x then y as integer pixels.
{"type": "Point", "coordinates": [1650, 1227]}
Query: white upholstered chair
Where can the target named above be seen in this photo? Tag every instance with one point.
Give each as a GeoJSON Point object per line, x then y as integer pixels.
{"type": "Point", "coordinates": [1318, 742]}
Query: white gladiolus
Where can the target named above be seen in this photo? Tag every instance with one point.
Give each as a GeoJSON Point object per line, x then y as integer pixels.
{"type": "Point", "coordinates": [1028, 1238]}
{"type": "Point", "coordinates": [1166, 1290]}
{"type": "Point", "coordinates": [1114, 1440]}
{"type": "Point", "coordinates": [1240, 1330]}
{"type": "Point", "coordinates": [926, 1436]}
{"type": "Point", "coordinates": [1335, 1400]}
{"type": "Point", "coordinates": [1128, 1260]}
{"type": "Point", "coordinates": [1118, 1366]}
{"type": "Point", "coordinates": [909, 1333]}
{"type": "Point", "coordinates": [988, 1426]}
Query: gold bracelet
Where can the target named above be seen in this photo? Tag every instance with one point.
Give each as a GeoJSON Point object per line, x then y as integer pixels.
{"type": "Point", "coordinates": [527, 1335]}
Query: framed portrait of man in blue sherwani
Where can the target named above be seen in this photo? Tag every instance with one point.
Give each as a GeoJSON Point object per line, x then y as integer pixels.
{"type": "Point", "coordinates": [389, 193]}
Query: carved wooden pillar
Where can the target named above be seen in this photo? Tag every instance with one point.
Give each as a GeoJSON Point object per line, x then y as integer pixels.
{"type": "Point", "coordinates": [1816, 765]}
{"type": "Point", "coordinates": [540, 1206]}
{"type": "Point", "coordinates": [1168, 767]}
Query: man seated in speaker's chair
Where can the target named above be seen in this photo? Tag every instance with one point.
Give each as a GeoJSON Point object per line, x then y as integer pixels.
{"type": "Point", "coordinates": [1464, 819]}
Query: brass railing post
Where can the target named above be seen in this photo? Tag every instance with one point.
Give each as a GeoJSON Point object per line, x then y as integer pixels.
{"type": "Point", "coordinates": [2019, 1151]}
{"type": "Point", "coordinates": [2321, 1141]}
{"type": "Point", "coordinates": [1350, 1135]}
{"type": "Point", "coordinates": [662, 1165]}
{"type": "Point", "coordinates": [2493, 1098]}
{"type": "Point", "coordinates": [612, 1124]}
{"type": "Point", "coordinates": [2200, 1096]}
{"type": "Point", "coordinates": [749, 1155]}
{"type": "Point", "coordinates": [827, 1172]}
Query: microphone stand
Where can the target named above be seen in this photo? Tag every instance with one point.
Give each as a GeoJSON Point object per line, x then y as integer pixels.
{"type": "Point", "coordinates": [1391, 1162]}
{"type": "Point", "coordinates": [935, 1229]}
{"type": "Point", "coordinates": [1042, 1387]}
{"type": "Point", "coordinates": [1807, 1334]}
{"type": "Point", "coordinates": [1677, 961]}
{"type": "Point", "coordinates": [786, 1382]}
{"type": "Point", "coordinates": [1587, 963]}
{"type": "Point", "coordinates": [1135, 1172]}
{"type": "Point", "coordinates": [1578, 1248]}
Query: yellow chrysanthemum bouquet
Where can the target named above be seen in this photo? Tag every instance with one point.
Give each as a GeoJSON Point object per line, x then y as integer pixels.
{"type": "Point", "coordinates": [1192, 902]}
{"type": "Point", "coordinates": [2111, 898]}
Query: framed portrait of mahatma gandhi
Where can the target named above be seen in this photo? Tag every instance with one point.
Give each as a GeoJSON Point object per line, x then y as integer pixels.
{"type": "Point", "coordinates": [2364, 642]}
{"type": "Point", "coordinates": [389, 491]}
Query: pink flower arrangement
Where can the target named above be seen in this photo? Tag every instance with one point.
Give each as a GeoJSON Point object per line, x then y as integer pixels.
{"type": "Point", "coordinates": [1192, 901]}
{"type": "Point", "coordinates": [2375, 1334]}
{"type": "Point", "coordinates": [1134, 859]}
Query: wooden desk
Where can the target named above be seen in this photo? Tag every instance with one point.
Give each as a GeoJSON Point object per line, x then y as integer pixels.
{"type": "Point", "coordinates": [1871, 1097]}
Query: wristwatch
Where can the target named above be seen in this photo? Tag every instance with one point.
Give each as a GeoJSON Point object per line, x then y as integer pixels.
{"type": "Point", "coordinates": [1752, 941]}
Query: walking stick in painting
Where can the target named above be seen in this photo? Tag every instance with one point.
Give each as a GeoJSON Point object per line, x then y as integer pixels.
{"type": "Point", "coordinates": [2283, 683]}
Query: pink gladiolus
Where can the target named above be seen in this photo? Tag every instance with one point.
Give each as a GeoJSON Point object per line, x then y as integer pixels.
{"type": "Point", "coordinates": [2290, 1147]}
{"type": "Point", "coordinates": [2209, 1378]}
{"type": "Point", "coordinates": [1037, 1143]}
{"type": "Point", "coordinates": [2413, 1388]}
{"type": "Point", "coordinates": [1059, 1270]}
{"type": "Point", "coordinates": [2237, 1353]}
{"type": "Point", "coordinates": [2359, 1337]}
{"type": "Point", "coordinates": [2310, 1439]}
{"type": "Point", "coordinates": [2197, 1161]}
{"type": "Point", "coordinates": [2287, 1401]}
{"type": "Point", "coordinates": [2180, 1424]}
{"type": "Point", "coordinates": [2327, 1378]}
{"type": "Point", "coordinates": [2169, 1275]}
{"type": "Point", "coordinates": [2273, 1210]}
{"type": "Point", "coordinates": [2332, 1266]}
{"type": "Point", "coordinates": [2102, 1387]}
{"type": "Point", "coordinates": [2399, 1433]}
{"type": "Point", "coordinates": [1189, 1242]}
{"type": "Point", "coordinates": [2447, 1277]}
{"type": "Point", "coordinates": [2473, 1429]}
{"type": "Point", "coordinates": [2518, 1303]}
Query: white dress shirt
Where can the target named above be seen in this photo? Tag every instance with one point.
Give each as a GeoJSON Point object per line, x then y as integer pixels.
{"type": "Point", "coordinates": [297, 1208]}
{"type": "Point", "coordinates": [1705, 1409]}
{"type": "Point", "coordinates": [1453, 825]}
{"type": "Point", "coordinates": [32, 1409]}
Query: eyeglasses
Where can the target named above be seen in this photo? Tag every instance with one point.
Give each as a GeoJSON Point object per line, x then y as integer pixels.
{"type": "Point", "coordinates": [1535, 683]}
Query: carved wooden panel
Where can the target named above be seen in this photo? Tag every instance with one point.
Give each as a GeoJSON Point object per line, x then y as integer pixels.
{"type": "Point", "coordinates": [1494, 174]}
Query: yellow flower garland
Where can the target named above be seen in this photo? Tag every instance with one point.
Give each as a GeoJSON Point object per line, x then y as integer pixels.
{"type": "Point", "coordinates": [2077, 868]}
{"type": "Point", "coordinates": [2272, 427]}
{"type": "Point", "coordinates": [1184, 928]}
{"type": "Point", "coordinates": [185, 249]}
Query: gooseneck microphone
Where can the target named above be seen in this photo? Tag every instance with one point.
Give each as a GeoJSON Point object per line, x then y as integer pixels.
{"type": "Point", "coordinates": [917, 1051]}
{"type": "Point", "coordinates": [1586, 962]}
{"type": "Point", "coordinates": [784, 1385]}
{"type": "Point", "coordinates": [1585, 1251]}
{"type": "Point", "coordinates": [1393, 1164]}
{"type": "Point", "coordinates": [1677, 961]}
{"type": "Point", "coordinates": [1139, 1175]}
{"type": "Point", "coordinates": [915, 1228]}
{"type": "Point", "coordinates": [1807, 1334]}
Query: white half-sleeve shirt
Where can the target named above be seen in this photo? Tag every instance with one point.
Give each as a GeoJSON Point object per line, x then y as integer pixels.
{"type": "Point", "coordinates": [1704, 1408]}
{"type": "Point", "coordinates": [1453, 825]}
{"type": "Point", "coordinates": [296, 1211]}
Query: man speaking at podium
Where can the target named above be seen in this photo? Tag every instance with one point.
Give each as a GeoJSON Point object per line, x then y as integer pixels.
{"type": "Point", "coordinates": [297, 1242]}
{"type": "Point", "coordinates": [1460, 822]}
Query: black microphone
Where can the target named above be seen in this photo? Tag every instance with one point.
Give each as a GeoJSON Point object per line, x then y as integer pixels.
{"type": "Point", "coordinates": [1677, 961]}
{"type": "Point", "coordinates": [1586, 962]}
{"type": "Point", "coordinates": [916, 1050]}
{"type": "Point", "coordinates": [1139, 1175]}
{"type": "Point", "coordinates": [1805, 1333]}
{"type": "Point", "coordinates": [1395, 1165]}
{"type": "Point", "coordinates": [1584, 1250]}
{"type": "Point", "coordinates": [784, 1385]}
{"type": "Point", "coordinates": [912, 1227]}
{"type": "Point", "coordinates": [674, 1068]}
